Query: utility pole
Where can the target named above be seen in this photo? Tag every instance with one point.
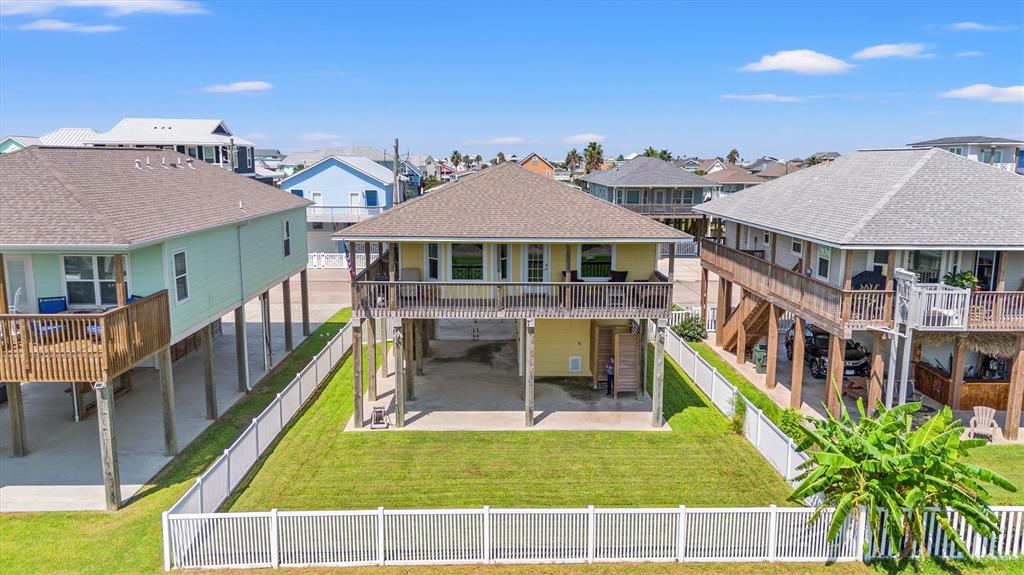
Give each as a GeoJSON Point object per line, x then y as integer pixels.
{"type": "Point", "coordinates": [396, 192]}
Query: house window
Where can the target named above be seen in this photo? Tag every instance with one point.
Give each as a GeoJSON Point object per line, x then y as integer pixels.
{"type": "Point", "coordinates": [688, 197]}
{"type": "Point", "coordinates": [797, 247]}
{"type": "Point", "coordinates": [984, 268]}
{"type": "Point", "coordinates": [90, 280]}
{"type": "Point", "coordinates": [595, 261]}
{"type": "Point", "coordinates": [534, 161]}
{"type": "Point", "coordinates": [957, 150]}
{"type": "Point", "coordinates": [180, 276]}
{"type": "Point", "coordinates": [880, 262]}
{"type": "Point", "coordinates": [467, 262]}
{"type": "Point", "coordinates": [659, 197]}
{"type": "Point", "coordinates": [286, 237]}
{"type": "Point", "coordinates": [767, 239]}
{"type": "Point", "coordinates": [504, 262]}
{"type": "Point", "coordinates": [209, 154]}
{"type": "Point", "coordinates": [991, 156]}
{"type": "Point", "coordinates": [824, 261]}
{"type": "Point", "coordinates": [433, 261]}
{"type": "Point", "coordinates": [248, 157]}
{"type": "Point", "coordinates": [192, 151]}
{"type": "Point", "coordinates": [618, 196]}
{"type": "Point", "coordinates": [926, 263]}
{"type": "Point", "coordinates": [371, 197]}
{"type": "Point", "coordinates": [632, 196]}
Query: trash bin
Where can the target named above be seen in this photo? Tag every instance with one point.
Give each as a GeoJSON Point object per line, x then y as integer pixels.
{"type": "Point", "coordinates": [760, 357]}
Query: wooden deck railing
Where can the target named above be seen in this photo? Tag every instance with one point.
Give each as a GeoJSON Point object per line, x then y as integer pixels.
{"type": "Point", "coordinates": [661, 209]}
{"type": "Point", "coordinates": [82, 346]}
{"type": "Point", "coordinates": [996, 311]}
{"type": "Point", "coordinates": [826, 306]}
{"type": "Point", "coordinates": [626, 300]}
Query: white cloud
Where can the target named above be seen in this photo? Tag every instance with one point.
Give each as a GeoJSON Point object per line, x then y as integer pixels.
{"type": "Point", "coordinates": [807, 62]}
{"type": "Point", "coordinates": [902, 50]}
{"type": "Point", "coordinates": [762, 98]}
{"type": "Point", "coordinates": [51, 25]}
{"type": "Point", "coordinates": [977, 27]}
{"type": "Point", "coordinates": [505, 140]}
{"type": "Point", "coordinates": [987, 93]}
{"type": "Point", "coordinates": [317, 136]}
{"type": "Point", "coordinates": [583, 138]}
{"type": "Point", "coordinates": [112, 7]}
{"type": "Point", "coordinates": [257, 137]}
{"type": "Point", "coordinates": [970, 54]}
{"type": "Point", "coordinates": [245, 86]}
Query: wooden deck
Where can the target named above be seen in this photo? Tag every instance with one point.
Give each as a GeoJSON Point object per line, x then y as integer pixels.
{"type": "Point", "coordinates": [661, 210]}
{"type": "Point", "coordinates": [82, 347]}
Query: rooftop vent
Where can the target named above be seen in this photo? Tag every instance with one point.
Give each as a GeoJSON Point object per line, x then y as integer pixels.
{"type": "Point", "coordinates": [190, 164]}
{"type": "Point", "coordinates": [138, 164]}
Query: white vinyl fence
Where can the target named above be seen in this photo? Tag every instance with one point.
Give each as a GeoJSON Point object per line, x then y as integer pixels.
{"type": "Point", "coordinates": [678, 314]}
{"type": "Point", "coordinates": [335, 261]}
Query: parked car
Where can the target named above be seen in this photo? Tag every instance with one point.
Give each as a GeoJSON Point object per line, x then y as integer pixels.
{"type": "Point", "coordinates": [857, 358]}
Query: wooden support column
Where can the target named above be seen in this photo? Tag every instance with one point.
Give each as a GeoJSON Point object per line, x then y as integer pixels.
{"type": "Point", "coordinates": [121, 292]}
{"type": "Point", "coordinates": [531, 325]}
{"type": "Point", "coordinates": [847, 285]}
{"type": "Point", "coordinates": [956, 372]}
{"type": "Point", "coordinates": [383, 346]}
{"type": "Point", "coordinates": [834, 377]}
{"type": "Point", "coordinates": [357, 374]}
{"type": "Point", "coordinates": [741, 331]}
{"type": "Point", "coordinates": [771, 378]}
{"type": "Point", "coordinates": [163, 359]}
{"type": "Point", "coordinates": [3, 287]}
{"type": "Point", "coordinates": [108, 444]}
{"type": "Point", "coordinates": [371, 364]}
{"type": "Point", "coordinates": [241, 350]}
{"type": "Point", "coordinates": [672, 262]}
{"type": "Point", "coordinates": [796, 381]}
{"type": "Point", "coordinates": [399, 343]}
{"type": "Point", "coordinates": [420, 338]}
{"type": "Point", "coordinates": [268, 354]}
{"type": "Point", "coordinates": [1016, 394]}
{"type": "Point", "coordinates": [208, 383]}
{"type": "Point", "coordinates": [408, 358]}
{"type": "Point", "coordinates": [19, 439]}
{"type": "Point", "coordinates": [658, 383]}
{"type": "Point", "coordinates": [286, 295]}
{"type": "Point", "coordinates": [997, 310]}
{"type": "Point", "coordinates": [805, 257]}
{"type": "Point", "coordinates": [704, 295]}
{"type": "Point", "coordinates": [772, 237]}
{"type": "Point", "coordinates": [304, 296]}
{"type": "Point", "coordinates": [877, 371]}
{"type": "Point", "coordinates": [722, 311]}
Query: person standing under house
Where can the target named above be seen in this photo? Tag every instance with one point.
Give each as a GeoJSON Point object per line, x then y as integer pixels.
{"type": "Point", "coordinates": [611, 374]}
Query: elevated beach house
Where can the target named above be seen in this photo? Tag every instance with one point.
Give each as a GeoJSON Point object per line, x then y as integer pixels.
{"type": "Point", "coordinates": [576, 274]}
{"type": "Point", "coordinates": [826, 243]}
{"type": "Point", "coordinates": [651, 187]}
{"type": "Point", "coordinates": [112, 257]}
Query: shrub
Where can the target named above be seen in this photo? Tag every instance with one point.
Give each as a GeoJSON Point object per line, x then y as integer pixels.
{"type": "Point", "coordinates": [691, 328]}
{"type": "Point", "coordinates": [739, 414]}
{"type": "Point", "coordinates": [790, 422]}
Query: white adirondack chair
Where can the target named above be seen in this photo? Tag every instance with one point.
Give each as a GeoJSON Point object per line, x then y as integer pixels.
{"type": "Point", "coordinates": [983, 424]}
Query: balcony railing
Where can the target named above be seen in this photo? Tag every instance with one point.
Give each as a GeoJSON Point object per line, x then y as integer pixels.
{"type": "Point", "coordinates": [939, 307]}
{"type": "Point", "coordinates": [481, 300]}
{"type": "Point", "coordinates": [826, 306]}
{"type": "Point", "coordinates": [341, 214]}
{"type": "Point", "coordinates": [661, 209]}
{"type": "Point", "coordinates": [82, 346]}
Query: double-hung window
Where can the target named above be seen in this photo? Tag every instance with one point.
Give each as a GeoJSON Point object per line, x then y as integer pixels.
{"type": "Point", "coordinates": [796, 247]}
{"type": "Point", "coordinates": [210, 154]}
{"type": "Point", "coordinates": [433, 261]}
{"type": "Point", "coordinates": [90, 280]}
{"type": "Point", "coordinates": [991, 156]}
{"type": "Point", "coordinates": [467, 262]}
{"type": "Point", "coordinates": [181, 292]}
{"type": "Point", "coordinates": [824, 261]}
{"type": "Point", "coordinates": [286, 237]}
{"type": "Point", "coordinates": [596, 261]}
{"type": "Point", "coordinates": [503, 262]}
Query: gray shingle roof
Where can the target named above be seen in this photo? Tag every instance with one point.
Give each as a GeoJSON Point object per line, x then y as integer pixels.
{"type": "Point", "coordinates": [912, 197]}
{"type": "Point", "coordinates": [966, 140]}
{"type": "Point", "coordinates": [644, 171]}
{"type": "Point", "coordinates": [96, 196]}
{"type": "Point", "coordinates": [510, 202]}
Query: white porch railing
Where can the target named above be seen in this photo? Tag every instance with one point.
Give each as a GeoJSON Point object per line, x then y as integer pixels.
{"type": "Point", "coordinates": [341, 214]}
{"type": "Point", "coordinates": [684, 248]}
{"type": "Point", "coordinates": [334, 260]}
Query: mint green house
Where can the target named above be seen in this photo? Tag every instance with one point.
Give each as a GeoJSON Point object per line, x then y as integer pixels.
{"type": "Point", "coordinates": [111, 258]}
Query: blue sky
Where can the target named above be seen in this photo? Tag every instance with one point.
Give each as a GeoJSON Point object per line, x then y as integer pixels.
{"type": "Point", "coordinates": [783, 79]}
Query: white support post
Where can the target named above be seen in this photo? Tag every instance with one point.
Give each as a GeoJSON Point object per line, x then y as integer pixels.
{"type": "Point", "coordinates": [681, 535]}
{"type": "Point", "coordinates": [790, 447]}
{"type": "Point", "coordinates": [165, 526]}
{"type": "Point", "coordinates": [380, 536]}
{"type": "Point", "coordinates": [487, 534]}
{"type": "Point", "coordinates": [591, 533]}
{"type": "Point", "coordinates": [275, 559]}
{"type": "Point", "coordinates": [199, 483]}
{"type": "Point", "coordinates": [862, 528]}
{"type": "Point", "coordinates": [227, 470]}
{"type": "Point", "coordinates": [773, 532]}
{"type": "Point", "coordinates": [256, 430]}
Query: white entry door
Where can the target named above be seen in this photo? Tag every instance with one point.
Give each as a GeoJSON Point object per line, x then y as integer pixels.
{"type": "Point", "coordinates": [18, 279]}
{"type": "Point", "coordinates": [318, 202]}
{"type": "Point", "coordinates": [536, 270]}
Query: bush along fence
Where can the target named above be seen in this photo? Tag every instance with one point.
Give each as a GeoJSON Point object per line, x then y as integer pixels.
{"type": "Point", "coordinates": [195, 536]}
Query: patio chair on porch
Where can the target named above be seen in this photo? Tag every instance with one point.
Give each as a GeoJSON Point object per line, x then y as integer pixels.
{"type": "Point", "coordinates": [47, 306]}
{"type": "Point", "coordinates": [983, 424]}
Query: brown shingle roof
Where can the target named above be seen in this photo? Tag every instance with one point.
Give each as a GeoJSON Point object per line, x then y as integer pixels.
{"type": "Point", "coordinates": [509, 202]}
{"type": "Point", "coordinates": [734, 175]}
{"type": "Point", "coordinates": [96, 196]}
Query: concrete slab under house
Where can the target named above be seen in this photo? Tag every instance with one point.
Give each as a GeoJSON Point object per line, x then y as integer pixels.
{"type": "Point", "coordinates": [576, 298]}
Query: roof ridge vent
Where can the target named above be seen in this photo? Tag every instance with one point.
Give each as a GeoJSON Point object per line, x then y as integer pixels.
{"type": "Point", "coordinates": [177, 164]}
{"type": "Point", "coordinates": [147, 163]}
{"type": "Point", "coordinates": [163, 162]}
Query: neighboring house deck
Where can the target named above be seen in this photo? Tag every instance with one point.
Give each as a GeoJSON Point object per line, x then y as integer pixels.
{"type": "Point", "coordinates": [927, 211]}
{"type": "Point", "coordinates": [650, 187]}
{"type": "Point", "coordinates": [145, 259]}
{"type": "Point", "coordinates": [497, 246]}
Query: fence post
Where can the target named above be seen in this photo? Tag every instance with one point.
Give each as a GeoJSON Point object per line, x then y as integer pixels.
{"type": "Point", "coordinates": [789, 459]}
{"type": "Point", "coordinates": [165, 526]}
{"type": "Point", "coordinates": [487, 534]}
{"type": "Point", "coordinates": [773, 532]}
{"type": "Point", "coordinates": [256, 430]}
{"type": "Point", "coordinates": [227, 472]}
{"type": "Point", "coordinates": [280, 414]}
{"type": "Point", "coordinates": [760, 423]}
{"type": "Point", "coordinates": [862, 529]}
{"type": "Point", "coordinates": [714, 376]}
{"type": "Point", "coordinates": [681, 535]}
{"type": "Point", "coordinates": [275, 559]}
{"type": "Point", "coordinates": [591, 535]}
{"type": "Point", "coordinates": [302, 396]}
{"type": "Point", "coordinates": [199, 482]}
{"type": "Point", "coordinates": [380, 536]}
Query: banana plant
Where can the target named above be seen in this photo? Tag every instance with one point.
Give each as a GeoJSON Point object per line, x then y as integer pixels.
{"type": "Point", "coordinates": [898, 474]}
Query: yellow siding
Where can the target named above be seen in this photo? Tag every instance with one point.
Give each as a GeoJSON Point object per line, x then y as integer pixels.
{"type": "Point", "coordinates": [637, 259]}
{"type": "Point", "coordinates": [411, 255]}
{"type": "Point", "coordinates": [556, 340]}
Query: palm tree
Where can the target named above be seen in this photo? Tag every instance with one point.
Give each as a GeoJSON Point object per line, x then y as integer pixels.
{"type": "Point", "coordinates": [812, 161]}
{"type": "Point", "coordinates": [620, 158]}
{"type": "Point", "coordinates": [593, 156]}
{"type": "Point", "coordinates": [572, 159]}
{"type": "Point", "coordinates": [456, 159]}
{"type": "Point", "coordinates": [733, 156]}
{"type": "Point", "coordinates": [897, 475]}
{"type": "Point", "coordinates": [664, 154]}
{"type": "Point", "coordinates": [650, 152]}
{"type": "Point", "coordinates": [500, 159]}
{"type": "Point", "coordinates": [478, 159]}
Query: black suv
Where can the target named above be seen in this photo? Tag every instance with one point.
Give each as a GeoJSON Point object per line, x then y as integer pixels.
{"type": "Point", "coordinates": [857, 358]}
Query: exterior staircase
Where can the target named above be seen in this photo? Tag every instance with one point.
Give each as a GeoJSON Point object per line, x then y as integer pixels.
{"type": "Point", "coordinates": [752, 312]}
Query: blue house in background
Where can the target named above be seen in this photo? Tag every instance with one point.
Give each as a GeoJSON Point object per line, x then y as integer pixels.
{"type": "Point", "coordinates": [344, 190]}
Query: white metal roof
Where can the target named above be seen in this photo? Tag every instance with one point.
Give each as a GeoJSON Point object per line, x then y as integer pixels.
{"type": "Point", "coordinates": [168, 131]}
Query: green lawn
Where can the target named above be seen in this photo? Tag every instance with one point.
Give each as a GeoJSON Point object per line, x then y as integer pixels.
{"type": "Point", "coordinates": [699, 463]}
{"type": "Point", "coordinates": [128, 541]}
